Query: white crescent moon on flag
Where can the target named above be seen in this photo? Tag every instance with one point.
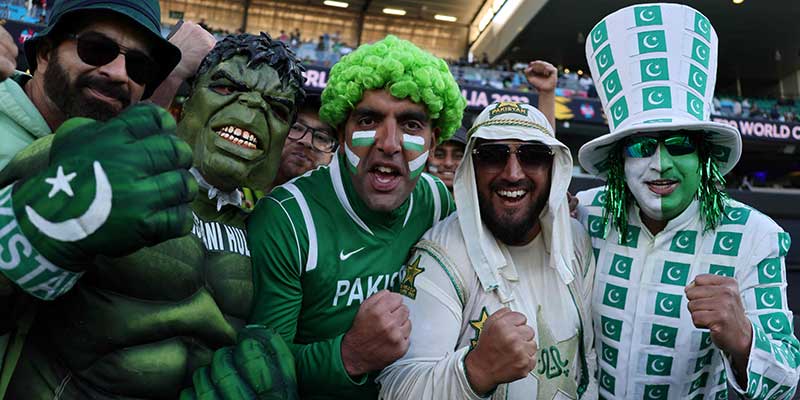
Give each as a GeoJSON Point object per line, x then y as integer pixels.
{"type": "Point", "coordinates": [80, 227]}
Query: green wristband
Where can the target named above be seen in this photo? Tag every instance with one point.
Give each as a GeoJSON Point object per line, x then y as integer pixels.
{"type": "Point", "coordinates": [22, 264]}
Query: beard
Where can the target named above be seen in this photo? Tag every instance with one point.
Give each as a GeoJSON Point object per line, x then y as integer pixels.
{"type": "Point", "coordinates": [508, 226]}
{"type": "Point", "coordinates": [70, 100]}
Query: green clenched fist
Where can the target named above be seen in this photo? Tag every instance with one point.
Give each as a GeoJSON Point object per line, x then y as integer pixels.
{"type": "Point", "coordinates": [261, 366]}
{"type": "Point", "coordinates": [110, 189]}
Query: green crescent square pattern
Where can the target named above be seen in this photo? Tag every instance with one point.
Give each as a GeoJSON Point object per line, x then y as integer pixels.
{"type": "Point", "coordinates": [784, 243]}
{"type": "Point", "coordinates": [654, 69]}
{"type": "Point", "coordinates": [705, 340]}
{"type": "Point", "coordinates": [735, 216]}
{"type": "Point", "coordinates": [675, 273]}
{"type": "Point", "coordinates": [621, 266]}
{"type": "Point", "coordinates": [656, 97]}
{"type": "Point", "coordinates": [652, 41]}
{"type": "Point", "coordinates": [684, 242]}
{"type": "Point", "coordinates": [761, 339]}
{"type": "Point", "coordinates": [612, 85]}
{"type": "Point", "coordinates": [632, 237]}
{"type": "Point", "coordinates": [768, 298]}
{"type": "Point", "coordinates": [658, 365]}
{"type": "Point", "coordinates": [604, 60]}
{"type": "Point", "coordinates": [611, 328]}
{"type": "Point", "coordinates": [656, 392]}
{"type": "Point", "coordinates": [698, 383]}
{"type": "Point", "coordinates": [727, 243]}
{"type": "Point", "coordinates": [599, 35]}
{"type": "Point", "coordinates": [599, 199]}
{"type": "Point", "coordinates": [698, 80]}
{"type": "Point", "coordinates": [769, 271]}
{"type": "Point", "coordinates": [661, 335]}
{"type": "Point", "coordinates": [702, 27]}
{"type": "Point", "coordinates": [701, 362]}
{"type": "Point", "coordinates": [694, 106]}
{"type": "Point", "coordinates": [610, 354]}
{"type": "Point", "coordinates": [701, 53]}
{"type": "Point", "coordinates": [607, 381]}
{"type": "Point", "coordinates": [668, 305]}
{"type": "Point", "coordinates": [648, 15]}
{"type": "Point", "coordinates": [775, 323]}
{"type": "Point", "coordinates": [721, 270]}
{"type": "Point", "coordinates": [596, 226]}
{"type": "Point", "coordinates": [615, 296]}
{"type": "Point", "coordinates": [619, 111]}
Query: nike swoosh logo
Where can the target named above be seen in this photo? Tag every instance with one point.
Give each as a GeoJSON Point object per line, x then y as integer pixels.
{"type": "Point", "coordinates": [343, 256]}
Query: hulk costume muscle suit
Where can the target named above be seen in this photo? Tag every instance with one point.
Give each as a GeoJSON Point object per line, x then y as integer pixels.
{"type": "Point", "coordinates": [138, 326]}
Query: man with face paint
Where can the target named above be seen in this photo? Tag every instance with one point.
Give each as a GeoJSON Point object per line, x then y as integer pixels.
{"type": "Point", "coordinates": [499, 293]}
{"type": "Point", "coordinates": [327, 245]}
{"type": "Point", "coordinates": [138, 326]}
{"type": "Point", "coordinates": [690, 289]}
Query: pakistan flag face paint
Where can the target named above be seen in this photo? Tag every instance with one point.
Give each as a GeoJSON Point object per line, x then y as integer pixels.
{"type": "Point", "coordinates": [415, 144]}
{"type": "Point", "coordinates": [663, 184]}
{"type": "Point", "coordinates": [360, 139]}
{"type": "Point", "coordinates": [236, 121]}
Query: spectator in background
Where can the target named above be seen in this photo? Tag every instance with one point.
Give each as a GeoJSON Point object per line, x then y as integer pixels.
{"type": "Point", "coordinates": [310, 143]}
{"type": "Point", "coordinates": [447, 156]}
{"type": "Point", "coordinates": [737, 108]}
{"type": "Point", "coordinates": [775, 113]}
{"type": "Point", "coordinates": [745, 108]}
{"type": "Point", "coordinates": [283, 37]}
{"type": "Point", "coordinates": [204, 25]}
{"type": "Point", "coordinates": [756, 112]}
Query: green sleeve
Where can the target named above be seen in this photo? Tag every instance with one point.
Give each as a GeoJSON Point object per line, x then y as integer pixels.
{"type": "Point", "coordinates": [278, 248]}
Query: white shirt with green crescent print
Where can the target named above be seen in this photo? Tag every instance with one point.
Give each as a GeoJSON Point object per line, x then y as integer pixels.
{"type": "Point", "coordinates": [647, 345]}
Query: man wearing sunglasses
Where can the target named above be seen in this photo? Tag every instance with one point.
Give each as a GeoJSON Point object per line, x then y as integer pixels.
{"type": "Point", "coordinates": [499, 293]}
{"type": "Point", "coordinates": [690, 290]}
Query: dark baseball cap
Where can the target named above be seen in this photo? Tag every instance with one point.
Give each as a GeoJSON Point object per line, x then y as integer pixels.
{"type": "Point", "coordinates": [143, 13]}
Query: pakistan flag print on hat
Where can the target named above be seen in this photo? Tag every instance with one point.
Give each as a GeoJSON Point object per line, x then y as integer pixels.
{"type": "Point", "coordinates": [655, 67]}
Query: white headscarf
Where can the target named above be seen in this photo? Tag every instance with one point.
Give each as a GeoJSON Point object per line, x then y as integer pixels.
{"type": "Point", "coordinates": [514, 121]}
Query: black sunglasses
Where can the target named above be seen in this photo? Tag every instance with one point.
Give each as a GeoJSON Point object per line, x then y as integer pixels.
{"type": "Point", "coordinates": [97, 50]}
{"type": "Point", "coordinates": [678, 144]}
{"type": "Point", "coordinates": [494, 156]}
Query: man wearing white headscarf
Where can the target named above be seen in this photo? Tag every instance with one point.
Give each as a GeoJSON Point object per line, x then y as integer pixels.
{"type": "Point", "coordinates": [498, 292]}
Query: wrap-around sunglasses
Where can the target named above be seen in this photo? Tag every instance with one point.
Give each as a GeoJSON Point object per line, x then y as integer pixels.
{"type": "Point", "coordinates": [677, 144]}
{"type": "Point", "coordinates": [495, 155]}
{"type": "Point", "coordinates": [97, 50]}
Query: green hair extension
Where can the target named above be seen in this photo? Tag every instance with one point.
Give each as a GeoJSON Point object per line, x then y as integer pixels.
{"type": "Point", "coordinates": [711, 191]}
{"type": "Point", "coordinates": [403, 70]}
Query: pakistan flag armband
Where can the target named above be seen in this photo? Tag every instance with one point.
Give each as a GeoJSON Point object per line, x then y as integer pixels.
{"type": "Point", "coordinates": [21, 262]}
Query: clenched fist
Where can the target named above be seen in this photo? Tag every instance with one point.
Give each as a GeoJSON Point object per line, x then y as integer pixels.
{"type": "Point", "coordinates": [379, 334]}
{"type": "Point", "coordinates": [716, 304]}
{"type": "Point", "coordinates": [505, 352]}
{"type": "Point", "coordinates": [542, 75]}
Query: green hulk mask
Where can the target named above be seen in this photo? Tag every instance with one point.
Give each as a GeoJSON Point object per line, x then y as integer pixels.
{"type": "Point", "coordinates": [242, 105]}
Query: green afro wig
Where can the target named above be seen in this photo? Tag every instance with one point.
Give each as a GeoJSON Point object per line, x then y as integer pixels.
{"type": "Point", "coordinates": [405, 71]}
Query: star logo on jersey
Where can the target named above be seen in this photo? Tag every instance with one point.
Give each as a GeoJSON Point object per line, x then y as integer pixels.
{"type": "Point", "coordinates": [784, 243]}
{"type": "Point", "coordinates": [610, 355]}
{"type": "Point", "coordinates": [658, 365]}
{"type": "Point", "coordinates": [650, 15]}
{"type": "Point", "coordinates": [611, 328]}
{"type": "Point", "coordinates": [407, 287]}
{"type": "Point", "coordinates": [477, 324]}
{"type": "Point", "coordinates": [699, 382]}
{"type": "Point", "coordinates": [596, 226]}
{"type": "Point", "coordinates": [598, 35]}
{"type": "Point", "coordinates": [721, 270]}
{"type": "Point", "coordinates": [700, 52]}
{"type": "Point", "coordinates": [656, 97]}
{"type": "Point", "coordinates": [664, 336]}
{"type": "Point", "coordinates": [697, 79]}
{"type": "Point", "coordinates": [703, 361]}
{"type": "Point", "coordinates": [607, 381]}
{"type": "Point", "coordinates": [668, 305]}
{"type": "Point", "coordinates": [769, 271]}
{"type": "Point", "coordinates": [727, 243]}
{"type": "Point", "coordinates": [775, 323]}
{"type": "Point", "coordinates": [684, 242]}
{"type": "Point", "coordinates": [652, 41]}
{"type": "Point", "coordinates": [675, 273]}
{"type": "Point", "coordinates": [769, 297]}
{"type": "Point", "coordinates": [621, 266]}
{"type": "Point", "coordinates": [612, 85]}
{"type": "Point", "coordinates": [615, 296]}
{"type": "Point", "coordinates": [604, 60]}
{"type": "Point", "coordinates": [656, 392]}
{"type": "Point", "coordinates": [702, 27]}
{"type": "Point", "coordinates": [654, 69]}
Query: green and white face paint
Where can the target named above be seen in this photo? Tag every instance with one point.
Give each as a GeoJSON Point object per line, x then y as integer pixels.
{"type": "Point", "coordinates": [360, 139]}
{"type": "Point", "coordinates": [663, 184]}
{"type": "Point", "coordinates": [415, 144]}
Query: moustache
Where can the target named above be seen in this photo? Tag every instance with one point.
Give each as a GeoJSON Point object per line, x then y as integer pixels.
{"type": "Point", "coordinates": [503, 184]}
{"type": "Point", "coordinates": [107, 88]}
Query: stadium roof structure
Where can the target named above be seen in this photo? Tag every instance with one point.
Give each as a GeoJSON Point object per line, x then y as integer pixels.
{"type": "Point", "coordinates": [463, 10]}
{"type": "Point", "coordinates": [759, 40]}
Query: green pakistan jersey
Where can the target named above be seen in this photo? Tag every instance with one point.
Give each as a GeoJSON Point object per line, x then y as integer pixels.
{"type": "Point", "coordinates": [318, 252]}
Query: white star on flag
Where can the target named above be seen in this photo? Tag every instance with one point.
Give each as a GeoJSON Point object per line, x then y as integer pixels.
{"type": "Point", "coordinates": [60, 183]}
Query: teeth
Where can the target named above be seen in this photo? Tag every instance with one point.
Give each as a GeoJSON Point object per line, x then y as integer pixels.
{"type": "Point", "coordinates": [512, 193]}
{"type": "Point", "coordinates": [238, 136]}
{"type": "Point", "coordinates": [385, 170]}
